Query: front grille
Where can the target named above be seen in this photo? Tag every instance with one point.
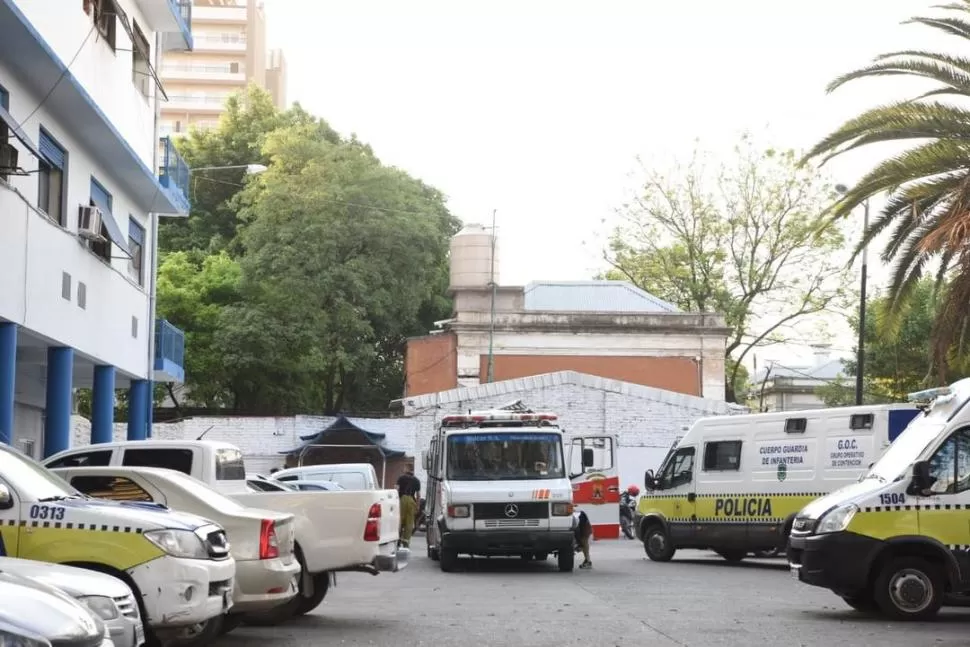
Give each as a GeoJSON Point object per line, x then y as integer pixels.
{"type": "Point", "coordinates": [220, 587]}
{"type": "Point", "coordinates": [126, 605]}
{"type": "Point", "coordinates": [525, 510]}
{"type": "Point", "coordinates": [511, 523]}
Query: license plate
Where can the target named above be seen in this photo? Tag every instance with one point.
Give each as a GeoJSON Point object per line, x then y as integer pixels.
{"type": "Point", "coordinates": [139, 635]}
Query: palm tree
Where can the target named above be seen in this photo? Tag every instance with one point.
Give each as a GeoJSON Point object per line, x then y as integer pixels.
{"type": "Point", "coordinates": [928, 186]}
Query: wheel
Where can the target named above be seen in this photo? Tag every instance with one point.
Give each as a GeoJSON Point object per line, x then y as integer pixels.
{"type": "Point", "coordinates": [199, 634]}
{"type": "Point", "coordinates": [863, 602]}
{"type": "Point", "coordinates": [657, 544]}
{"type": "Point", "coordinates": [447, 559]}
{"type": "Point", "coordinates": [321, 584]}
{"type": "Point", "coordinates": [732, 555]}
{"type": "Point", "coordinates": [283, 612]}
{"type": "Point", "coordinates": [434, 554]}
{"type": "Point", "coordinates": [909, 588]}
{"type": "Point", "coordinates": [567, 559]}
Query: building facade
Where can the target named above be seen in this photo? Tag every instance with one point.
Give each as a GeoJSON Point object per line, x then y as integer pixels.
{"type": "Point", "coordinates": [793, 386]}
{"type": "Point", "coordinates": [83, 179]}
{"type": "Point", "coordinates": [611, 329]}
{"type": "Point", "coordinates": [229, 54]}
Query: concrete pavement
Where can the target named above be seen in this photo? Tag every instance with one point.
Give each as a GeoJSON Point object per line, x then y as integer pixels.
{"type": "Point", "coordinates": [698, 599]}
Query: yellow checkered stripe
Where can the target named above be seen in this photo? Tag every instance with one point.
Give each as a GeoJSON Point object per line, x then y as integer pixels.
{"type": "Point", "coordinates": [770, 495]}
{"type": "Point", "coordinates": [70, 525]}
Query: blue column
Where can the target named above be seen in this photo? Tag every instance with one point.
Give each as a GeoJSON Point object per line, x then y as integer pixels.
{"type": "Point", "coordinates": [138, 409]}
{"type": "Point", "coordinates": [151, 409]}
{"type": "Point", "coordinates": [60, 374]}
{"type": "Point", "coordinates": [103, 405]}
{"type": "Point", "coordinates": [8, 376]}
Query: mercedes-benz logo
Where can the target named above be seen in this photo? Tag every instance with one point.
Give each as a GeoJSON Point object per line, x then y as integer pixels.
{"type": "Point", "coordinates": [511, 510]}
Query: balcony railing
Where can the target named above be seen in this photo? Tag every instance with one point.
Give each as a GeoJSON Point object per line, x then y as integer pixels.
{"type": "Point", "coordinates": [174, 174]}
{"type": "Point", "coordinates": [181, 38]}
{"type": "Point", "coordinates": [225, 68]}
{"type": "Point", "coordinates": [169, 352]}
{"type": "Point", "coordinates": [212, 99]}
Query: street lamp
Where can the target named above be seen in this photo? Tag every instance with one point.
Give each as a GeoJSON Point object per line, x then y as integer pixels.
{"type": "Point", "coordinates": [860, 351]}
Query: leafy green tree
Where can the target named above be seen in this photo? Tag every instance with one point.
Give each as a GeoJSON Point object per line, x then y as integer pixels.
{"type": "Point", "coordinates": [342, 258]}
{"type": "Point", "coordinates": [744, 243]}
{"type": "Point", "coordinates": [928, 186]}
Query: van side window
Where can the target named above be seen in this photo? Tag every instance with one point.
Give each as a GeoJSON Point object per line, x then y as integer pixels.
{"type": "Point", "coordinates": [861, 421]}
{"type": "Point", "coordinates": [722, 456]}
{"type": "Point", "coordinates": [84, 459]}
{"type": "Point", "coordinates": [115, 488]}
{"type": "Point", "coordinates": [169, 458]}
{"type": "Point", "coordinates": [796, 425]}
{"type": "Point", "coordinates": [680, 469]}
{"type": "Point", "coordinates": [950, 465]}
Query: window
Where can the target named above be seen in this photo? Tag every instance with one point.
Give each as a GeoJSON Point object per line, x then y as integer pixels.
{"type": "Point", "coordinates": [349, 480]}
{"type": "Point", "coordinates": [950, 465]}
{"type": "Point", "coordinates": [51, 197]}
{"type": "Point", "coordinates": [85, 459]}
{"type": "Point", "coordinates": [136, 245]}
{"type": "Point", "coordinates": [680, 469]}
{"type": "Point", "coordinates": [861, 421]}
{"type": "Point", "coordinates": [722, 455]}
{"type": "Point", "coordinates": [105, 17]}
{"type": "Point", "coordinates": [179, 460]}
{"type": "Point", "coordinates": [141, 74]}
{"type": "Point", "coordinates": [234, 67]}
{"type": "Point", "coordinates": [796, 425]}
{"type": "Point", "coordinates": [602, 450]}
{"type": "Point", "coordinates": [292, 477]}
{"type": "Point", "coordinates": [230, 465]}
{"type": "Point", "coordinates": [82, 295]}
{"type": "Point", "coordinates": [114, 488]}
{"type": "Point", "coordinates": [101, 199]}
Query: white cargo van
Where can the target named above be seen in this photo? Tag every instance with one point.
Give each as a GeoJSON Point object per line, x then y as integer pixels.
{"type": "Point", "coordinates": [733, 484]}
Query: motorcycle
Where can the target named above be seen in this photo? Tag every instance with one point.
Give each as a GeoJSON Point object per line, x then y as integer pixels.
{"type": "Point", "coordinates": [628, 504]}
{"type": "Point", "coordinates": [421, 520]}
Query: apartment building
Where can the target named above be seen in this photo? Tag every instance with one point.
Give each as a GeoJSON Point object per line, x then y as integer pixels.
{"type": "Point", "coordinates": [83, 179]}
{"type": "Point", "coordinates": [229, 54]}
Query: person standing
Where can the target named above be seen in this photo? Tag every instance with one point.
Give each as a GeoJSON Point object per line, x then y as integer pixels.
{"type": "Point", "coordinates": [408, 487]}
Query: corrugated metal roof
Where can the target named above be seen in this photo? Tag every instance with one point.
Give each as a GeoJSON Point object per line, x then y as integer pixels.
{"type": "Point", "coordinates": [592, 296]}
{"type": "Point", "coordinates": [828, 370]}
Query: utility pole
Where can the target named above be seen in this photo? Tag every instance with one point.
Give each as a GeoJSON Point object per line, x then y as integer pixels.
{"type": "Point", "coordinates": [491, 320]}
{"type": "Point", "coordinates": [861, 352]}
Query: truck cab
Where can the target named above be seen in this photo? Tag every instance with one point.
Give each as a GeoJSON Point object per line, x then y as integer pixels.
{"type": "Point", "coordinates": [499, 485]}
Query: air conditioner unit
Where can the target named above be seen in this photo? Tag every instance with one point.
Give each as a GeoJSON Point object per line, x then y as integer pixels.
{"type": "Point", "coordinates": [89, 222]}
{"type": "Point", "coordinates": [8, 157]}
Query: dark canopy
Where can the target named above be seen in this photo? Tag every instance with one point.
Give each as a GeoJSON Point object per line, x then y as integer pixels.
{"type": "Point", "coordinates": [344, 432]}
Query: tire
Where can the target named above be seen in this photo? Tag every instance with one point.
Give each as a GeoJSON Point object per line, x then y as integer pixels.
{"type": "Point", "coordinates": [447, 559]}
{"type": "Point", "coordinates": [657, 544]}
{"type": "Point", "coordinates": [863, 603]}
{"type": "Point", "coordinates": [567, 560]}
{"type": "Point", "coordinates": [434, 554]}
{"type": "Point", "coordinates": [732, 555]}
{"type": "Point", "coordinates": [201, 634]}
{"type": "Point", "coordinates": [321, 585]}
{"type": "Point", "coordinates": [909, 588]}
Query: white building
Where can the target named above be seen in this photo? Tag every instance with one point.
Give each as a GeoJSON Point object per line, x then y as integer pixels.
{"type": "Point", "coordinates": [79, 201]}
{"type": "Point", "coordinates": [792, 386]}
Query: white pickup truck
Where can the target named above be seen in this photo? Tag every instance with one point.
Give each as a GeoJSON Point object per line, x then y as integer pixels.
{"type": "Point", "coordinates": [336, 531]}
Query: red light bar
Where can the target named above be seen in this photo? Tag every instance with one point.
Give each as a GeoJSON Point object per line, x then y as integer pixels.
{"type": "Point", "coordinates": [497, 416]}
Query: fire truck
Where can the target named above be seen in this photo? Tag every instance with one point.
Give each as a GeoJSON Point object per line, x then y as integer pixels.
{"type": "Point", "coordinates": [500, 484]}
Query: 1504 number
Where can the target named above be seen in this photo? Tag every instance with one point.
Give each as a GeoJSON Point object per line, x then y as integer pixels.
{"type": "Point", "coordinates": [53, 513]}
{"type": "Point", "coordinates": [893, 498]}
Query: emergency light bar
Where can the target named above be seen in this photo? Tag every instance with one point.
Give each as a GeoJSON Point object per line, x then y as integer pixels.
{"type": "Point", "coordinates": [929, 395]}
{"type": "Point", "coordinates": [496, 416]}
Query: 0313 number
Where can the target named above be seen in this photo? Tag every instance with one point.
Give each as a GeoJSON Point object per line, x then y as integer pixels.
{"type": "Point", "coordinates": [46, 512]}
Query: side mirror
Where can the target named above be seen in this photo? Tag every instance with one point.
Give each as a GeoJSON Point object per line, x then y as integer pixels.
{"type": "Point", "coordinates": [649, 481]}
{"type": "Point", "coordinates": [426, 460]}
{"type": "Point", "coordinates": [588, 458]}
{"type": "Point", "coordinates": [6, 499]}
{"type": "Point", "coordinates": [922, 480]}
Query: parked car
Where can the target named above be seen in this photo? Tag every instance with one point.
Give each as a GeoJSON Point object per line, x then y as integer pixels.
{"type": "Point", "coordinates": [260, 483]}
{"type": "Point", "coordinates": [34, 614]}
{"type": "Point", "coordinates": [335, 531]}
{"type": "Point", "coordinates": [350, 476]}
{"type": "Point", "coordinates": [261, 541]}
{"type": "Point", "coordinates": [177, 564]}
{"type": "Point", "coordinates": [311, 486]}
{"type": "Point", "coordinates": [106, 597]}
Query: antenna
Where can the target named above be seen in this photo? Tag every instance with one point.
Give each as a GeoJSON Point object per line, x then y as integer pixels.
{"type": "Point", "coordinates": [205, 432]}
{"type": "Point", "coordinates": [491, 319]}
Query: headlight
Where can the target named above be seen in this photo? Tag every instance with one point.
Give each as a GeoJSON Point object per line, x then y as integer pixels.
{"type": "Point", "coordinates": [178, 543]}
{"type": "Point", "coordinates": [11, 636]}
{"type": "Point", "coordinates": [836, 520]}
{"type": "Point", "coordinates": [459, 511]}
{"type": "Point", "coordinates": [562, 509]}
{"type": "Point", "coordinates": [104, 608]}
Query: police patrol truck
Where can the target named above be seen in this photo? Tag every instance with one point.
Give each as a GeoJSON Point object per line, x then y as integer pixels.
{"type": "Point", "coordinates": [734, 483]}
{"type": "Point", "coordinates": [177, 565]}
{"type": "Point", "coordinates": [899, 539]}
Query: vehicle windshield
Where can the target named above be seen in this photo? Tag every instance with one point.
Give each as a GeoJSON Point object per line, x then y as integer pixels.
{"type": "Point", "coordinates": [32, 479]}
{"type": "Point", "coordinates": [204, 493]}
{"type": "Point", "coordinates": [505, 456]}
{"type": "Point", "coordinates": [896, 461]}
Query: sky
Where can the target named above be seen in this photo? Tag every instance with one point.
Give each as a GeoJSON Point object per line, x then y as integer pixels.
{"type": "Point", "coordinates": [539, 109]}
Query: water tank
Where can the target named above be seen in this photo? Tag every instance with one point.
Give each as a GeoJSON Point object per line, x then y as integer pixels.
{"type": "Point", "coordinates": [471, 257]}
